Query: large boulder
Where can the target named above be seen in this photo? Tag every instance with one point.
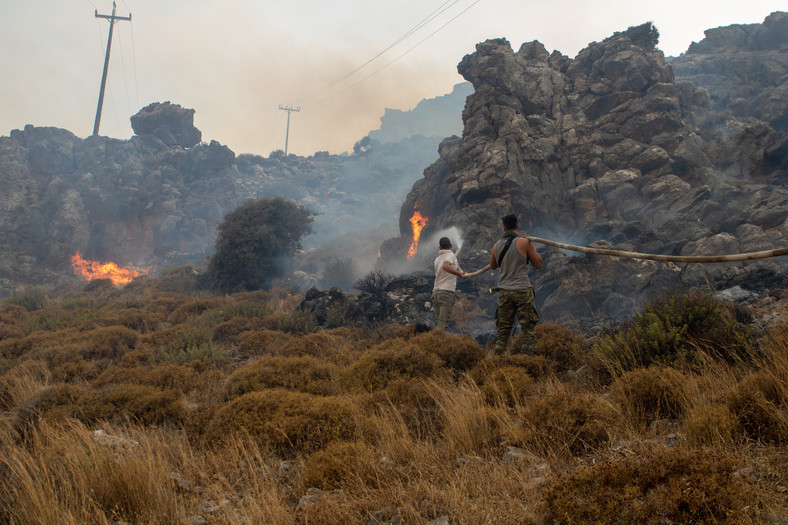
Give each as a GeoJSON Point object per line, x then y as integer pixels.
{"type": "Point", "coordinates": [170, 123]}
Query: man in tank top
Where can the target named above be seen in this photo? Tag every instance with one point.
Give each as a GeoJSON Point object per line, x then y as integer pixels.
{"type": "Point", "coordinates": [515, 293]}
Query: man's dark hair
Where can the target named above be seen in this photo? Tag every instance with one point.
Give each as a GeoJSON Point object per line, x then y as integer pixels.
{"type": "Point", "coordinates": [509, 222]}
{"type": "Point", "coordinates": [444, 243]}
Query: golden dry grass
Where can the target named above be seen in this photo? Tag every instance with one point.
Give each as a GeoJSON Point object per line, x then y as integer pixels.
{"type": "Point", "coordinates": [150, 404]}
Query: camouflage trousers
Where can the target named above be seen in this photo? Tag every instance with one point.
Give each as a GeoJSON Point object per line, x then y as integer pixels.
{"type": "Point", "coordinates": [518, 303]}
{"type": "Point", "coordinates": [443, 304]}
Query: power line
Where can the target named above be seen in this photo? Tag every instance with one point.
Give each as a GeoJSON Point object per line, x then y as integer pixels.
{"type": "Point", "coordinates": [395, 59]}
{"type": "Point", "coordinates": [429, 18]}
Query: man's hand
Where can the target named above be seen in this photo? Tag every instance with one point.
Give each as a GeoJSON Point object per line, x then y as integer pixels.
{"type": "Point", "coordinates": [463, 275]}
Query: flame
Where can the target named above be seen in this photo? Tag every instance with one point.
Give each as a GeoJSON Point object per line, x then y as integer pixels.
{"type": "Point", "coordinates": [91, 270]}
{"type": "Point", "coordinates": [418, 222]}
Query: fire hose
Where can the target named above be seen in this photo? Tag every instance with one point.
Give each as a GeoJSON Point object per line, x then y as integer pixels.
{"type": "Point", "coordinates": [653, 257]}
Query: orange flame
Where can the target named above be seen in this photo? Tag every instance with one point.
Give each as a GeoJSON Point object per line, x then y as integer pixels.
{"type": "Point", "coordinates": [418, 222]}
{"type": "Point", "coordinates": [91, 270]}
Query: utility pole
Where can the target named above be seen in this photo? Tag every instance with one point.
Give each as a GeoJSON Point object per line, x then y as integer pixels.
{"type": "Point", "coordinates": [111, 19]}
{"type": "Point", "coordinates": [289, 110]}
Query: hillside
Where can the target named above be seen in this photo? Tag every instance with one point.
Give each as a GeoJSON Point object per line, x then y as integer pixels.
{"type": "Point", "coordinates": [157, 403]}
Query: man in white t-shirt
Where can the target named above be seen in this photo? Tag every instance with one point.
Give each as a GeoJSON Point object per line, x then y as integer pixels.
{"type": "Point", "coordinates": [447, 269]}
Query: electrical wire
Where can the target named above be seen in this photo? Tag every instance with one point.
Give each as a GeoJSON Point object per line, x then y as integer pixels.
{"type": "Point", "coordinates": [393, 60]}
{"type": "Point", "coordinates": [429, 18]}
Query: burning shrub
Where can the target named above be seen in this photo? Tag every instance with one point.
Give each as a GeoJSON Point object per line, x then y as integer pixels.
{"type": "Point", "coordinates": [287, 422]}
{"type": "Point", "coordinates": [648, 394]}
{"type": "Point", "coordinates": [674, 331]}
{"type": "Point", "coordinates": [758, 404]}
{"type": "Point", "coordinates": [669, 486]}
{"type": "Point", "coordinates": [567, 423]}
{"type": "Point", "coordinates": [301, 374]}
{"type": "Point", "coordinates": [342, 465]}
{"type": "Point", "coordinates": [709, 425]}
{"type": "Point", "coordinates": [377, 367]}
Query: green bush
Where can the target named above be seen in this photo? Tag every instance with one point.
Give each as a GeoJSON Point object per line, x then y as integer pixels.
{"type": "Point", "coordinates": [677, 331]}
{"type": "Point", "coordinates": [254, 241]}
{"type": "Point", "coordinates": [669, 486]}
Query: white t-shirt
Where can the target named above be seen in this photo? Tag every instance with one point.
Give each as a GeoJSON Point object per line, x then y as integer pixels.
{"type": "Point", "coordinates": [443, 279]}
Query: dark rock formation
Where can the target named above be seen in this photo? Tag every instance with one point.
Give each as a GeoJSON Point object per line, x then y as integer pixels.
{"type": "Point", "coordinates": [170, 123]}
{"type": "Point", "coordinates": [602, 147]}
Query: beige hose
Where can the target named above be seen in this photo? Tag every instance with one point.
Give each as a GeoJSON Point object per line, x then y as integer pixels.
{"type": "Point", "coordinates": [653, 257]}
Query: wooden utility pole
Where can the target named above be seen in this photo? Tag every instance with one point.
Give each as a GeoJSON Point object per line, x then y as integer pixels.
{"type": "Point", "coordinates": [289, 110]}
{"type": "Point", "coordinates": [111, 19]}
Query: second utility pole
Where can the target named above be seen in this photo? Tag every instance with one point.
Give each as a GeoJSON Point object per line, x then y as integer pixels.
{"type": "Point", "coordinates": [289, 110]}
{"type": "Point", "coordinates": [111, 19]}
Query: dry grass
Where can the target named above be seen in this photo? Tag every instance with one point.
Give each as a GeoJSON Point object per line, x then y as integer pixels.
{"type": "Point", "coordinates": [150, 404]}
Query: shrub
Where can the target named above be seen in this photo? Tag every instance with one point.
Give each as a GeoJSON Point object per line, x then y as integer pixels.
{"type": "Point", "coordinates": [287, 422]}
{"type": "Point", "coordinates": [339, 272]}
{"type": "Point", "coordinates": [377, 367]}
{"type": "Point", "coordinates": [566, 423]}
{"type": "Point", "coordinates": [644, 35]}
{"type": "Point", "coordinates": [254, 241]}
{"type": "Point", "coordinates": [181, 279]}
{"type": "Point", "coordinates": [342, 465]}
{"type": "Point", "coordinates": [534, 366]}
{"type": "Point", "coordinates": [458, 352]}
{"type": "Point", "coordinates": [262, 342]}
{"type": "Point", "coordinates": [108, 342]}
{"type": "Point", "coordinates": [564, 349]}
{"type": "Point", "coordinates": [709, 425]}
{"type": "Point", "coordinates": [669, 486]}
{"type": "Point", "coordinates": [758, 405]}
{"type": "Point", "coordinates": [507, 385]}
{"type": "Point", "coordinates": [142, 403]}
{"type": "Point", "coordinates": [648, 394]}
{"type": "Point", "coordinates": [301, 374]}
{"type": "Point", "coordinates": [21, 382]}
{"type": "Point", "coordinates": [415, 404]}
{"type": "Point", "coordinates": [676, 331]}
{"type": "Point", "coordinates": [31, 300]}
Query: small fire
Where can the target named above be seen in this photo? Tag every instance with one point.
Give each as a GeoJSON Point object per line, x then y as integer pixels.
{"type": "Point", "coordinates": [418, 222]}
{"type": "Point", "coordinates": [91, 270]}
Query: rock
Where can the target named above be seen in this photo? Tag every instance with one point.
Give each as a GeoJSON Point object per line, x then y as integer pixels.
{"type": "Point", "coordinates": [170, 123]}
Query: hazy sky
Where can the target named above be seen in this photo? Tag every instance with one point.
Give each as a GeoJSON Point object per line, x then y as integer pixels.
{"type": "Point", "coordinates": [234, 62]}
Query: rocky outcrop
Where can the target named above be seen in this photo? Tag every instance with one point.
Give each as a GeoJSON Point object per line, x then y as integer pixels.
{"type": "Point", "coordinates": [603, 147]}
{"type": "Point", "coordinates": [157, 198]}
{"type": "Point", "coordinates": [170, 123]}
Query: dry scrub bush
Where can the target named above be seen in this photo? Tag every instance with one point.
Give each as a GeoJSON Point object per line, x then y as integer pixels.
{"type": "Point", "coordinates": [649, 394]}
{"type": "Point", "coordinates": [414, 404]}
{"type": "Point", "coordinates": [534, 366]}
{"type": "Point", "coordinates": [387, 362]}
{"type": "Point", "coordinates": [564, 423]}
{"type": "Point", "coordinates": [228, 331]}
{"type": "Point", "coordinates": [507, 386]}
{"type": "Point", "coordinates": [564, 349]}
{"type": "Point", "coordinates": [134, 318]}
{"type": "Point", "coordinates": [287, 422]}
{"type": "Point", "coordinates": [333, 345]}
{"type": "Point", "coordinates": [709, 425]}
{"type": "Point", "coordinates": [668, 486]}
{"type": "Point", "coordinates": [458, 352]}
{"type": "Point", "coordinates": [168, 376]}
{"type": "Point", "coordinates": [343, 465]}
{"type": "Point", "coordinates": [145, 404]}
{"type": "Point", "coordinates": [301, 374]}
{"type": "Point", "coordinates": [262, 342]}
{"type": "Point", "coordinates": [193, 308]}
{"type": "Point", "coordinates": [759, 405]}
